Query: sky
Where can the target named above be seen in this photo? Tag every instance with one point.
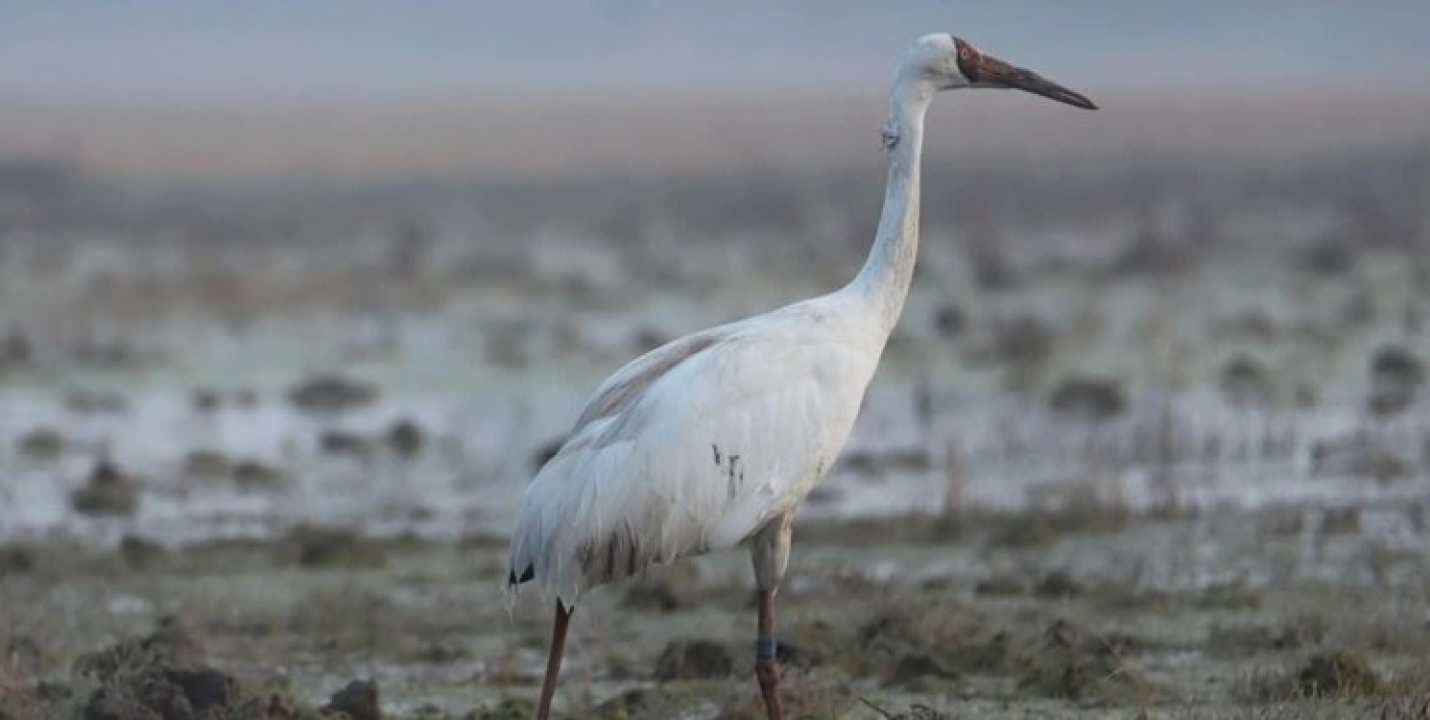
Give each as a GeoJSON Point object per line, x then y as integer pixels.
{"type": "Point", "coordinates": [181, 50]}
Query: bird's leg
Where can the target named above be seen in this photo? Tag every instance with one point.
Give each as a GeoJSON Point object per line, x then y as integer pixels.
{"type": "Point", "coordinates": [553, 661]}
{"type": "Point", "coordinates": [770, 552]}
{"type": "Point", "coordinates": [767, 669]}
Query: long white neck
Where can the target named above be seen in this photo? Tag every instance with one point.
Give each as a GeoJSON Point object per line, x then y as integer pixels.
{"type": "Point", "coordinates": [883, 283]}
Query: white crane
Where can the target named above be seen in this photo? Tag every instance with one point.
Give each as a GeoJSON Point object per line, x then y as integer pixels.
{"type": "Point", "coordinates": [713, 440]}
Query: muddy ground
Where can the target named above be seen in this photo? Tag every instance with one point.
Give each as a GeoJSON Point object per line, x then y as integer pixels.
{"type": "Point", "coordinates": [1200, 395]}
{"type": "Point", "coordinates": [1285, 613]}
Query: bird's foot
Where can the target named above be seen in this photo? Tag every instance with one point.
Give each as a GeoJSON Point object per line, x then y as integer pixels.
{"type": "Point", "coordinates": [767, 671]}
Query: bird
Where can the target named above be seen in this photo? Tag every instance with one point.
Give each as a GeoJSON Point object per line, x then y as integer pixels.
{"type": "Point", "coordinates": [711, 441]}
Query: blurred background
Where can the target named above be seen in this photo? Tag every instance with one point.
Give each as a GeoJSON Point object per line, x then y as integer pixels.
{"type": "Point", "coordinates": [362, 261]}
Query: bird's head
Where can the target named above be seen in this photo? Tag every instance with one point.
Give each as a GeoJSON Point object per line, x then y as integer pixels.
{"type": "Point", "coordinates": [950, 63]}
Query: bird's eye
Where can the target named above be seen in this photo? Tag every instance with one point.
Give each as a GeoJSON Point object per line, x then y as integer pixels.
{"type": "Point", "coordinates": [963, 54]}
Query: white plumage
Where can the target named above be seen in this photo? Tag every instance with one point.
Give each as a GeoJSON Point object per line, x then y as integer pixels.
{"type": "Point", "coordinates": [694, 446]}
{"type": "Point", "coordinates": [713, 440]}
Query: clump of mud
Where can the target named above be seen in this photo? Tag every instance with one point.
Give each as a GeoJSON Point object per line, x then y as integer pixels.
{"type": "Point", "coordinates": [140, 553]}
{"type": "Point", "coordinates": [41, 444]}
{"type": "Point", "coordinates": [1339, 673]}
{"type": "Point", "coordinates": [694, 660]}
{"type": "Point", "coordinates": [247, 474]}
{"type": "Point", "coordinates": [109, 491]}
{"type": "Point", "coordinates": [1242, 639]}
{"type": "Point", "coordinates": [253, 475]}
{"type": "Point", "coordinates": [916, 712]}
{"type": "Point", "coordinates": [16, 560]}
{"type": "Point", "coordinates": [351, 444]}
{"type": "Point", "coordinates": [1089, 398]}
{"type": "Point", "coordinates": [1076, 665]}
{"type": "Point", "coordinates": [405, 438]}
{"type": "Point", "coordinates": [628, 704]}
{"type": "Point", "coordinates": [95, 402]}
{"type": "Point", "coordinates": [1022, 340]}
{"type": "Point", "coordinates": [161, 675]}
{"type": "Point", "coordinates": [1336, 674]}
{"type": "Point", "coordinates": [924, 648]}
{"type": "Point", "coordinates": [665, 589]}
{"type": "Point", "coordinates": [1044, 526]}
{"type": "Point", "coordinates": [1058, 584]}
{"type": "Point", "coordinates": [165, 675]}
{"type": "Point", "coordinates": [318, 546]}
{"type": "Point", "coordinates": [15, 349]}
{"type": "Point", "coordinates": [506, 709]}
{"type": "Point", "coordinates": [356, 701]}
{"type": "Point", "coordinates": [1396, 377]}
{"type": "Point", "coordinates": [1245, 382]}
{"type": "Point", "coordinates": [331, 393]}
{"type": "Point", "coordinates": [206, 463]}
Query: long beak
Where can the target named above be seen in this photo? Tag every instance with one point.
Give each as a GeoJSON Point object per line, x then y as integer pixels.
{"type": "Point", "coordinates": [996, 73]}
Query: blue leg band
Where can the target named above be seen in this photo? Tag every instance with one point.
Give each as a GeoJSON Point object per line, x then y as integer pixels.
{"type": "Point", "coordinates": [765, 649]}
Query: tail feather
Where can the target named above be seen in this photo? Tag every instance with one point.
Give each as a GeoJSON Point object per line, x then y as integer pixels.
{"type": "Point", "coordinates": [526, 575]}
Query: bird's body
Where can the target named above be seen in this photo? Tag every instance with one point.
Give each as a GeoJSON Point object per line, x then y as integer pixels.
{"type": "Point", "coordinates": [713, 440]}
{"type": "Point", "coordinates": [695, 446]}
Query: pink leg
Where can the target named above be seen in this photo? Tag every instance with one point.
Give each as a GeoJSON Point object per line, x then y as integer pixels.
{"type": "Point", "coordinates": [553, 661]}
{"type": "Point", "coordinates": [767, 669]}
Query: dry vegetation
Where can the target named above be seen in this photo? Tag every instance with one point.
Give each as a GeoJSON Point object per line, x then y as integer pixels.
{"type": "Point", "coordinates": [273, 629]}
